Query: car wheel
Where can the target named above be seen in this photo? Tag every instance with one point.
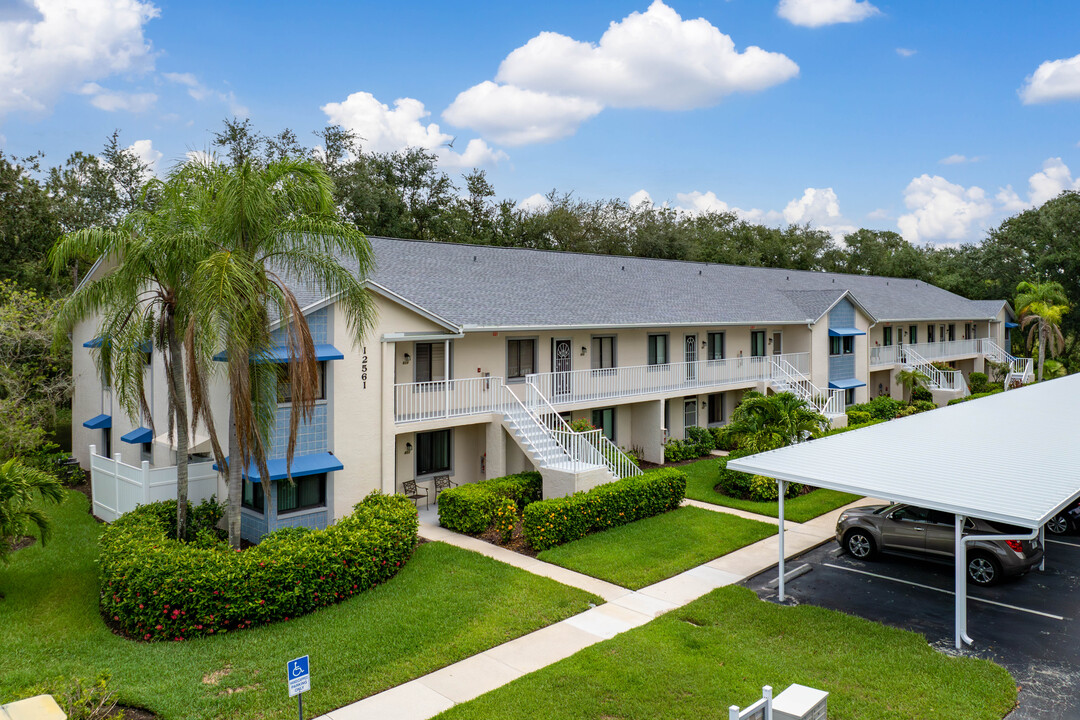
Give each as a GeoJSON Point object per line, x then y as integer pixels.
{"type": "Point", "coordinates": [860, 545]}
{"type": "Point", "coordinates": [1058, 525]}
{"type": "Point", "coordinates": [983, 569]}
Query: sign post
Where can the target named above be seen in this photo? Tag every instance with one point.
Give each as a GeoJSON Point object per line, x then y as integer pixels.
{"type": "Point", "coordinates": [298, 672]}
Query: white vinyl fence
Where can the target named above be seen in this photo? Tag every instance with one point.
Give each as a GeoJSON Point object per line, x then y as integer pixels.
{"type": "Point", "coordinates": [119, 488]}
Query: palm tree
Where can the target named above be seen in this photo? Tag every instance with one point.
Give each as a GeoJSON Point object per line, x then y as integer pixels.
{"type": "Point", "coordinates": [144, 302]}
{"type": "Point", "coordinates": [763, 423]}
{"type": "Point", "coordinates": [272, 227]}
{"type": "Point", "coordinates": [910, 380]}
{"type": "Point", "coordinates": [20, 487]}
{"type": "Point", "coordinates": [1042, 307]}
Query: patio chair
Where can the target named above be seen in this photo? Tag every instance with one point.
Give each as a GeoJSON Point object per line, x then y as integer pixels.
{"type": "Point", "coordinates": [442, 482]}
{"type": "Point", "coordinates": [414, 493]}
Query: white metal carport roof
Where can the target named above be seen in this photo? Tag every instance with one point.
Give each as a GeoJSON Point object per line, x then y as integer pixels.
{"type": "Point", "coordinates": [1012, 457]}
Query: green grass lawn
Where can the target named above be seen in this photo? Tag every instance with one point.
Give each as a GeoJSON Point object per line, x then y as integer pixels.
{"type": "Point", "coordinates": [702, 476]}
{"type": "Point", "coordinates": [656, 548]}
{"type": "Point", "coordinates": [695, 661]}
{"type": "Point", "coordinates": [445, 604]}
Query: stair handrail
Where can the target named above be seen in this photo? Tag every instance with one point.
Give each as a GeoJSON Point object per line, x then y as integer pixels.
{"type": "Point", "coordinates": [515, 400]}
{"type": "Point", "coordinates": [619, 463]}
{"type": "Point", "coordinates": [942, 379]}
{"type": "Point", "coordinates": [830, 402]}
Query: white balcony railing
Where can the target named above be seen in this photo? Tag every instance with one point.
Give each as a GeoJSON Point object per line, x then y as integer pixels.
{"type": "Point", "coordinates": [890, 355]}
{"type": "Point", "coordinates": [576, 386]}
{"type": "Point", "coordinates": [441, 399]}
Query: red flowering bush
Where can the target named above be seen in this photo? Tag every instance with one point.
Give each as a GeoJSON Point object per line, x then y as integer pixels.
{"type": "Point", "coordinates": [156, 588]}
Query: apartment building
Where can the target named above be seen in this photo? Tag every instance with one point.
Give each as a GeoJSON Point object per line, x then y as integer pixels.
{"type": "Point", "coordinates": [481, 356]}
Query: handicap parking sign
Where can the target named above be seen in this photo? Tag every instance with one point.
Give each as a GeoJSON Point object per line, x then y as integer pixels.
{"type": "Point", "coordinates": [299, 676]}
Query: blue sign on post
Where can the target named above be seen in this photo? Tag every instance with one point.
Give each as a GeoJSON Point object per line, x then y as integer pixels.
{"type": "Point", "coordinates": [299, 675]}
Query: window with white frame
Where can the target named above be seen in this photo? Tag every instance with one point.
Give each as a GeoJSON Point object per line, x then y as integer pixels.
{"type": "Point", "coordinates": [520, 358]}
{"type": "Point", "coordinates": [658, 350]}
{"type": "Point", "coordinates": [603, 352]}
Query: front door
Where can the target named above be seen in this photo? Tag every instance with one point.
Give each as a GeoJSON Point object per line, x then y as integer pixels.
{"type": "Point", "coordinates": [690, 357]}
{"type": "Point", "coordinates": [561, 365]}
{"type": "Point", "coordinates": [689, 415]}
{"type": "Point", "coordinates": [777, 343]}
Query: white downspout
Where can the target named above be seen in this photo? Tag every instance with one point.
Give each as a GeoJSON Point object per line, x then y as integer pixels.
{"type": "Point", "coordinates": [961, 544]}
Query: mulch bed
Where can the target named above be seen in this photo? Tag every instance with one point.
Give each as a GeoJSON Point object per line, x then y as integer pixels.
{"type": "Point", "coordinates": [22, 542]}
{"type": "Point", "coordinates": [517, 543]}
{"type": "Point", "coordinates": [132, 713]}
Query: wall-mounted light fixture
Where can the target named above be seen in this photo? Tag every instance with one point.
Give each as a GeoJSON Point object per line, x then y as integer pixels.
{"type": "Point", "coordinates": [408, 448]}
{"type": "Point", "coordinates": [704, 344]}
{"type": "Point", "coordinates": [583, 351]}
{"type": "Point", "coordinates": [703, 404]}
{"type": "Point", "coordinates": [405, 360]}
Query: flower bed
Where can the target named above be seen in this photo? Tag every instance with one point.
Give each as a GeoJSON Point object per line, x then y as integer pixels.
{"type": "Point", "coordinates": [548, 523]}
{"type": "Point", "coordinates": [156, 588]}
{"type": "Point", "coordinates": [471, 508]}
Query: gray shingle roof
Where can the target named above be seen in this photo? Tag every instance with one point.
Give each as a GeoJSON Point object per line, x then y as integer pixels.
{"type": "Point", "coordinates": [477, 286]}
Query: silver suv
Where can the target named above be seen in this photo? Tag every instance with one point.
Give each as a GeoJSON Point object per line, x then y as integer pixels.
{"type": "Point", "coordinates": [908, 530]}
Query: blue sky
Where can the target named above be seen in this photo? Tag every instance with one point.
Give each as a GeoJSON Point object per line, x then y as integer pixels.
{"type": "Point", "coordinates": [937, 119]}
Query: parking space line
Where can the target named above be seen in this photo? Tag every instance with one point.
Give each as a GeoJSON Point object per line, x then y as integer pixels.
{"type": "Point", "coordinates": [1062, 542]}
{"type": "Point", "coordinates": [947, 592]}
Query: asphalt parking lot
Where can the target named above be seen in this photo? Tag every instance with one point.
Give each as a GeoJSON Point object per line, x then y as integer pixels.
{"type": "Point", "coordinates": [1025, 624]}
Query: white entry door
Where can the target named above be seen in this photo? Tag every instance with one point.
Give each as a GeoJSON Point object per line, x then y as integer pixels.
{"type": "Point", "coordinates": [690, 357]}
{"type": "Point", "coordinates": [561, 364]}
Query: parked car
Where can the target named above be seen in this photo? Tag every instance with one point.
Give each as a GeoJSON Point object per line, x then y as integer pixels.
{"type": "Point", "coordinates": [1066, 521]}
{"type": "Point", "coordinates": [908, 530]}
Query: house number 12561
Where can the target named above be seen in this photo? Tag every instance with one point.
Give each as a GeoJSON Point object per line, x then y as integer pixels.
{"type": "Point", "coordinates": [363, 369]}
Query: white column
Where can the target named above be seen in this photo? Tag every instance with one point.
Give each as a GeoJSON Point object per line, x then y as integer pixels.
{"type": "Point", "coordinates": [961, 582]}
{"type": "Point", "coordinates": [1042, 544]}
{"type": "Point", "coordinates": [782, 485]}
{"type": "Point", "coordinates": [146, 481]}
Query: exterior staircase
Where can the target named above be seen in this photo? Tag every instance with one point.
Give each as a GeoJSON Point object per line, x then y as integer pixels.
{"type": "Point", "coordinates": [948, 380]}
{"type": "Point", "coordinates": [787, 378]}
{"type": "Point", "coordinates": [1020, 370]}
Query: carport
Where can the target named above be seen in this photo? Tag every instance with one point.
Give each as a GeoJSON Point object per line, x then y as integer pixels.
{"type": "Point", "coordinates": [966, 460]}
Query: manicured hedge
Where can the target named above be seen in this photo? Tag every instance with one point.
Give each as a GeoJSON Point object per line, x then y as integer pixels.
{"type": "Point", "coordinates": [470, 508]}
{"type": "Point", "coordinates": [552, 522]}
{"type": "Point", "coordinates": [975, 396]}
{"type": "Point", "coordinates": [699, 442]}
{"type": "Point", "coordinates": [156, 588]}
{"type": "Point", "coordinates": [751, 487]}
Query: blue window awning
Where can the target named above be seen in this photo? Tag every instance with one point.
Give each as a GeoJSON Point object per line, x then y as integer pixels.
{"type": "Point", "coordinates": [845, 332]}
{"type": "Point", "coordinates": [99, 422]}
{"type": "Point", "coordinates": [138, 436]}
{"type": "Point", "coordinates": [846, 384]}
{"type": "Point", "coordinates": [1011, 325]}
{"type": "Point", "coordinates": [313, 464]}
{"type": "Point", "coordinates": [280, 354]}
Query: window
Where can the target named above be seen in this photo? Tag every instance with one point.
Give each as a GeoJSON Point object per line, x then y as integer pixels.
{"type": "Point", "coordinates": [952, 332]}
{"type": "Point", "coordinates": [913, 334]}
{"type": "Point", "coordinates": [285, 387]}
{"type": "Point", "coordinates": [911, 514]}
{"type": "Point", "coordinates": [658, 350]}
{"type": "Point", "coordinates": [849, 344]}
{"type": "Point", "coordinates": [107, 445]}
{"type": "Point", "coordinates": [777, 343]}
{"type": "Point", "coordinates": [430, 362]}
{"type": "Point", "coordinates": [252, 497]}
{"type": "Point", "coordinates": [305, 492]}
{"type": "Point", "coordinates": [886, 336]}
{"type": "Point", "coordinates": [757, 343]}
{"type": "Point", "coordinates": [929, 333]}
{"type": "Point", "coordinates": [715, 346]}
{"type": "Point", "coordinates": [849, 396]}
{"type": "Point", "coordinates": [716, 408]}
{"type": "Point", "coordinates": [603, 352]}
{"type": "Point", "coordinates": [941, 333]}
{"type": "Point", "coordinates": [520, 358]}
{"type": "Point", "coordinates": [604, 419]}
{"type": "Point", "coordinates": [834, 345]}
{"type": "Point", "coordinates": [433, 452]}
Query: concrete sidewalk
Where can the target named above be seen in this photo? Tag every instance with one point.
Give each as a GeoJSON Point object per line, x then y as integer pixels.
{"type": "Point", "coordinates": [624, 609]}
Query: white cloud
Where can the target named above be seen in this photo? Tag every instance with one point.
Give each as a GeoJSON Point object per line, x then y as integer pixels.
{"type": "Point", "coordinates": [534, 202]}
{"type": "Point", "coordinates": [697, 202]}
{"type": "Point", "coordinates": [510, 115]}
{"type": "Point", "coordinates": [1053, 80]}
{"type": "Point", "coordinates": [113, 100]}
{"type": "Point", "coordinates": [59, 46]}
{"type": "Point", "coordinates": [960, 159]}
{"type": "Point", "coordinates": [905, 52]}
{"type": "Point", "coordinates": [145, 151]}
{"type": "Point", "coordinates": [1009, 201]}
{"type": "Point", "coordinates": [382, 129]}
{"type": "Point", "coordinates": [941, 210]}
{"type": "Point", "coordinates": [201, 92]}
{"type": "Point", "coordinates": [1051, 181]}
{"type": "Point", "coordinates": [641, 197]}
{"type": "Point", "coordinates": [816, 13]}
{"type": "Point", "coordinates": [820, 208]}
{"type": "Point", "coordinates": [546, 88]}
{"type": "Point", "coordinates": [878, 214]}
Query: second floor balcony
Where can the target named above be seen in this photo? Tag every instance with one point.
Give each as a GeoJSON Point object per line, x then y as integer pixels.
{"type": "Point", "coordinates": [948, 350]}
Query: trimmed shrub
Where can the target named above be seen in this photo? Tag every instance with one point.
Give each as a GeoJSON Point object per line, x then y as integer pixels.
{"type": "Point", "coordinates": [921, 393]}
{"type": "Point", "coordinates": [722, 439]}
{"type": "Point", "coordinates": [751, 487]}
{"type": "Point", "coordinates": [676, 450]}
{"type": "Point", "coordinates": [858, 417]}
{"type": "Point", "coordinates": [506, 514]}
{"type": "Point", "coordinates": [907, 410]}
{"type": "Point", "coordinates": [552, 522]}
{"type": "Point", "coordinates": [978, 382]}
{"type": "Point", "coordinates": [923, 405]}
{"type": "Point", "coordinates": [701, 439]}
{"type": "Point", "coordinates": [973, 396]}
{"type": "Point", "coordinates": [470, 508]}
{"type": "Point", "coordinates": [156, 588]}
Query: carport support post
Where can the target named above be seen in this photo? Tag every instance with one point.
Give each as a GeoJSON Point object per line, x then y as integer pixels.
{"type": "Point", "coordinates": [782, 486]}
{"type": "Point", "coordinates": [961, 582]}
{"type": "Point", "coordinates": [1042, 544]}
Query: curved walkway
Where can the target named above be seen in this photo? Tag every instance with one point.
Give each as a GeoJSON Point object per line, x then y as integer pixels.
{"type": "Point", "coordinates": [624, 609]}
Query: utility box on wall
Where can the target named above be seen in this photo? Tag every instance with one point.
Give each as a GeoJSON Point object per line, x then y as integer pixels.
{"type": "Point", "coordinates": [799, 702]}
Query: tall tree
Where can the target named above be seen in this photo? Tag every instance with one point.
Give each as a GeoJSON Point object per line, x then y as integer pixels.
{"type": "Point", "coordinates": [271, 226]}
{"type": "Point", "coordinates": [911, 380]}
{"type": "Point", "coordinates": [1042, 307]}
{"type": "Point", "coordinates": [28, 222]}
